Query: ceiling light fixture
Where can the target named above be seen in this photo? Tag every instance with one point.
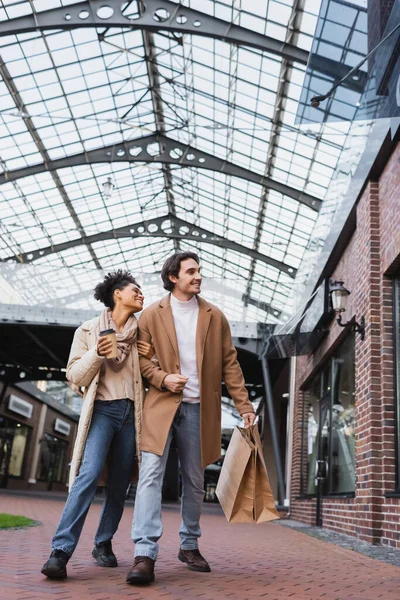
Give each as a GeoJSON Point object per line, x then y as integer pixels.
{"type": "Point", "coordinates": [108, 187]}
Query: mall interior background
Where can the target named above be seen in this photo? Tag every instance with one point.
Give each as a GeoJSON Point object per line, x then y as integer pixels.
{"type": "Point", "coordinates": [132, 132]}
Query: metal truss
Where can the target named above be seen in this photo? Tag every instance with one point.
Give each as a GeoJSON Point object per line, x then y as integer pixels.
{"type": "Point", "coordinates": [43, 315]}
{"type": "Point", "coordinates": [36, 340]}
{"type": "Point", "coordinates": [284, 82]}
{"type": "Point", "coordinates": [150, 56]}
{"type": "Point", "coordinates": [248, 300]}
{"type": "Point", "coordinates": [161, 149]}
{"type": "Point", "coordinates": [14, 93]}
{"type": "Point", "coordinates": [218, 286]}
{"type": "Point", "coordinates": [164, 15]}
{"type": "Point", "coordinates": [147, 279]}
{"type": "Point", "coordinates": [159, 15]}
{"type": "Point", "coordinates": [169, 226]}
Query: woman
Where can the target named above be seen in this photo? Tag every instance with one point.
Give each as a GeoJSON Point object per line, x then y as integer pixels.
{"type": "Point", "coordinates": [109, 423]}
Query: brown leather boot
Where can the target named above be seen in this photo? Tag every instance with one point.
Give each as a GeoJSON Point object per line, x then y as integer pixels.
{"type": "Point", "coordinates": [142, 570]}
{"type": "Point", "coordinates": [194, 560]}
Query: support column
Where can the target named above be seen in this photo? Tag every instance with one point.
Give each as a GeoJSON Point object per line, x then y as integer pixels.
{"type": "Point", "coordinates": [36, 450]}
{"type": "Point", "coordinates": [274, 433]}
{"type": "Point", "coordinates": [3, 392]}
{"type": "Point", "coordinates": [290, 426]}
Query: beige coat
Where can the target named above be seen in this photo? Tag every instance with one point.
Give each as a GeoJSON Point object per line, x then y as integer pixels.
{"type": "Point", "coordinates": [83, 370]}
{"type": "Point", "coordinates": [216, 362]}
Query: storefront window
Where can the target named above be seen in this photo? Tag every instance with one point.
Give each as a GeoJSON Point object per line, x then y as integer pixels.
{"type": "Point", "coordinates": [342, 455]}
{"type": "Point", "coordinates": [53, 452]}
{"type": "Point", "coordinates": [18, 451]}
{"type": "Point", "coordinates": [311, 420]}
{"type": "Point", "coordinates": [328, 424]}
{"type": "Point", "coordinates": [13, 445]}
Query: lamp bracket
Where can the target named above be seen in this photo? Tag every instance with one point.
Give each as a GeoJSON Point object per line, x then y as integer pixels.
{"type": "Point", "coordinates": [356, 327]}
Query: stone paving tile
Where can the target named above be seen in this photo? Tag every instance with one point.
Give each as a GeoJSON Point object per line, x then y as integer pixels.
{"type": "Point", "coordinates": [248, 561]}
{"type": "Point", "coordinates": [386, 554]}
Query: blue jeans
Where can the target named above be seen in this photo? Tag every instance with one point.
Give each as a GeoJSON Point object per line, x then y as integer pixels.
{"type": "Point", "coordinates": [112, 434]}
{"type": "Point", "coordinates": [147, 522]}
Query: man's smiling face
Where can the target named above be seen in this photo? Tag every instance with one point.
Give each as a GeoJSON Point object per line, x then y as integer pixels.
{"type": "Point", "coordinates": [189, 279]}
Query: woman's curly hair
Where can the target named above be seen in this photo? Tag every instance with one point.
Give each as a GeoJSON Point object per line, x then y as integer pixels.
{"type": "Point", "coordinates": [117, 280]}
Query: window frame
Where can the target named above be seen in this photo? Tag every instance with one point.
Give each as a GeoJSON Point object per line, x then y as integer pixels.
{"type": "Point", "coordinates": [24, 464]}
{"type": "Point", "coordinates": [326, 370]}
{"type": "Point", "coordinates": [65, 462]}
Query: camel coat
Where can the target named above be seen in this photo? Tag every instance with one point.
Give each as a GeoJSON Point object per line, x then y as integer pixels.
{"type": "Point", "coordinates": [216, 362]}
{"type": "Point", "coordinates": [83, 370]}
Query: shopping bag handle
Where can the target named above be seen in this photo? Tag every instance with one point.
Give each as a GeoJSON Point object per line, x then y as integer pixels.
{"type": "Point", "coordinates": [247, 432]}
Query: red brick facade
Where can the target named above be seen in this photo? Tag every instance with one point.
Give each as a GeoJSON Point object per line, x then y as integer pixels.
{"type": "Point", "coordinates": [370, 258]}
{"type": "Point", "coordinates": [23, 482]}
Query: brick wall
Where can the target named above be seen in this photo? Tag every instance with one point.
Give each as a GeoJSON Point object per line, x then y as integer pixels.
{"type": "Point", "coordinates": [378, 15]}
{"type": "Point", "coordinates": [371, 256]}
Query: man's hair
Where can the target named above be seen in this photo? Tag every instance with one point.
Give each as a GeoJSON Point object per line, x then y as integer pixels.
{"type": "Point", "coordinates": [117, 280]}
{"type": "Point", "coordinates": [172, 266]}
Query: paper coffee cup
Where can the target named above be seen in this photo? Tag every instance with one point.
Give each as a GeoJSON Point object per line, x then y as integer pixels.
{"type": "Point", "coordinates": [110, 334]}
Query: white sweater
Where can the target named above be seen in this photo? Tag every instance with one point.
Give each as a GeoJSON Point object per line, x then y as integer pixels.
{"type": "Point", "coordinates": [185, 318]}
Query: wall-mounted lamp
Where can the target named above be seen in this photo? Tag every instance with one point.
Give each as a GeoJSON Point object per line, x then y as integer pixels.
{"type": "Point", "coordinates": [108, 187]}
{"type": "Point", "coordinates": [339, 296]}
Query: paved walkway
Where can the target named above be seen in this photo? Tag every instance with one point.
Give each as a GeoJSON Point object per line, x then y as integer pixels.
{"type": "Point", "coordinates": [248, 561]}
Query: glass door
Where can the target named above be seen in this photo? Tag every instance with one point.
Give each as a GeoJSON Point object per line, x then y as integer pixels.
{"type": "Point", "coordinates": [6, 441]}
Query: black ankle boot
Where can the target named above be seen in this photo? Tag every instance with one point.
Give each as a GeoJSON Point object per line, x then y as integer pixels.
{"type": "Point", "coordinates": [104, 555]}
{"type": "Point", "coordinates": [55, 567]}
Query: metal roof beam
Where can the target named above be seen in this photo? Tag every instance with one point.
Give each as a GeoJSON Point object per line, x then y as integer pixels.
{"type": "Point", "coordinates": [248, 300]}
{"type": "Point", "coordinates": [148, 279]}
{"type": "Point", "coordinates": [294, 26]}
{"type": "Point", "coordinates": [159, 15]}
{"type": "Point", "coordinates": [14, 93]}
{"type": "Point", "coordinates": [42, 345]}
{"type": "Point", "coordinates": [162, 149]}
{"type": "Point", "coordinates": [150, 56]}
{"type": "Point", "coordinates": [164, 15]}
{"type": "Point", "coordinates": [169, 226]}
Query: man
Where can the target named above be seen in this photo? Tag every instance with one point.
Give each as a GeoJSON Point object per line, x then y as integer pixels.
{"type": "Point", "coordinates": [194, 351]}
{"type": "Point", "coordinates": [111, 413]}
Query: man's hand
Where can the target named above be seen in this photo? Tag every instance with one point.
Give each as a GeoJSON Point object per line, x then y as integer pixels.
{"type": "Point", "coordinates": [175, 382]}
{"type": "Point", "coordinates": [104, 346]}
{"type": "Point", "coordinates": [146, 349]}
{"type": "Point", "coordinates": [248, 419]}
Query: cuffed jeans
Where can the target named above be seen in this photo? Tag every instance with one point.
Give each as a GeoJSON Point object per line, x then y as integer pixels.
{"type": "Point", "coordinates": [147, 521]}
{"type": "Point", "coordinates": [112, 434]}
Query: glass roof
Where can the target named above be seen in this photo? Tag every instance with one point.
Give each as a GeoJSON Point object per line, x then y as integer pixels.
{"type": "Point", "coordinates": [66, 92]}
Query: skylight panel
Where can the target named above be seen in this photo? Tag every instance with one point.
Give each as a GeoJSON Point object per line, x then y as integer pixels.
{"type": "Point", "coordinates": [217, 97]}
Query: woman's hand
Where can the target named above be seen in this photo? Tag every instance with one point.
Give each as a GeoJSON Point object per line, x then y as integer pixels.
{"type": "Point", "coordinates": [104, 346]}
{"type": "Point", "coordinates": [146, 350]}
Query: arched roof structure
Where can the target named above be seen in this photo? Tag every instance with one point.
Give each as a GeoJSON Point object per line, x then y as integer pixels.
{"type": "Point", "coordinates": [189, 109]}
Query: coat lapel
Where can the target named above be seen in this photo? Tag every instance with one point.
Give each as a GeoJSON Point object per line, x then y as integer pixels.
{"type": "Point", "coordinates": [203, 323]}
{"type": "Point", "coordinates": [167, 319]}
